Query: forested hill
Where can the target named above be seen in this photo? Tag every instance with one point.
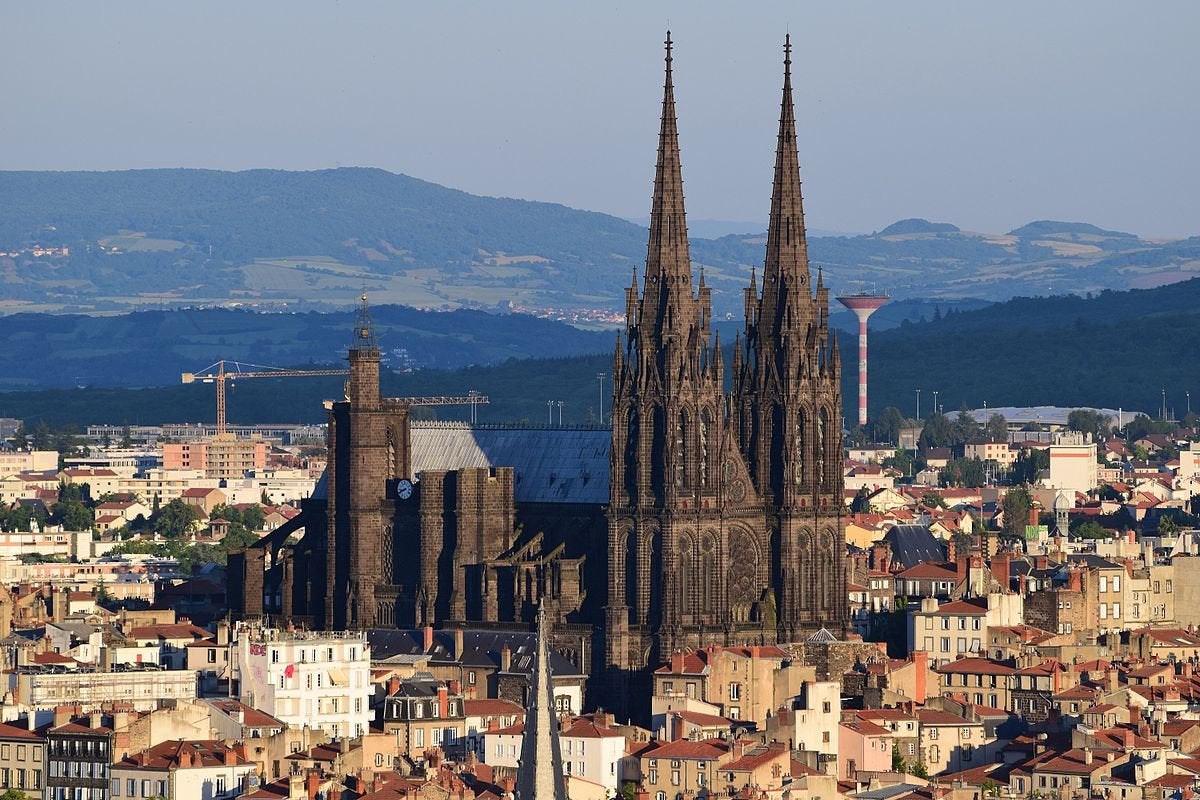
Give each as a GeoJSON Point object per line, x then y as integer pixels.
{"type": "Point", "coordinates": [1115, 349]}
{"type": "Point", "coordinates": [276, 239]}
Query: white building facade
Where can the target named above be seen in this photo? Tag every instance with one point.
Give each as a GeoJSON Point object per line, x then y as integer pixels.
{"type": "Point", "coordinates": [307, 678]}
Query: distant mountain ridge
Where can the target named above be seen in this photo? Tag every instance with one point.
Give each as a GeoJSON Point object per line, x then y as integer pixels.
{"type": "Point", "coordinates": [315, 240]}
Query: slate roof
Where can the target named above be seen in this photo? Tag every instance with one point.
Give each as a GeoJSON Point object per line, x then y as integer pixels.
{"type": "Point", "coordinates": [912, 544]}
{"type": "Point", "coordinates": [480, 648]}
{"type": "Point", "coordinates": [550, 465]}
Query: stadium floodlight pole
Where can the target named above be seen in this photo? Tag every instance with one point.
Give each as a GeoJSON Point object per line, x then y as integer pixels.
{"type": "Point", "coordinates": [600, 376]}
{"type": "Point", "coordinates": [935, 405]}
{"type": "Point", "coordinates": [549, 412]}
{"type": "Point", "coordinates": [918, 404]}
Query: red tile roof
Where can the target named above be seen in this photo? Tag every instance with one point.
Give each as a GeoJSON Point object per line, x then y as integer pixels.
{"type": "Point", "coordinates": [9, 731]}
{"type": "Point", "coordinates": [253, 717]}
{"type": "Point", "coordinates": [586, 729]}
{"type": "Point", "coordinates": [167, 755]}
{"type": "Point", "coordinates": [975, 666]}
{"type": "Point", "coordinates": [708, 749]}
{"type": "Point", "coordinates": [179, 630]}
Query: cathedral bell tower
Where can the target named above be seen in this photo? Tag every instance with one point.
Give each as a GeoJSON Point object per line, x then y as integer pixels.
{"type": "Point", "coordinates": [787, 406]}
{"type": "Point", "coordinates": [664, 568]}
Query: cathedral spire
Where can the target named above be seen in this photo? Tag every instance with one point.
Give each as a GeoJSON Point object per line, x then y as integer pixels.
{"type": "Point", "coordinates": [787, 247]}
{"type": "Point", "coordinates": [667, 258]}
{"type": "Point", "coordinates": [540, 773]}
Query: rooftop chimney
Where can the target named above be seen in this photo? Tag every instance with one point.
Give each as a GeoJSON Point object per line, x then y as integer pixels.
{"type": "Point", "coordinates": [505, 658]}
{"type": "Point", "coordinates": [428, 643]}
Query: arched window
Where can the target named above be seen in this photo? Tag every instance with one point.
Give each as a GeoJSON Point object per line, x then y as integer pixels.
{"type": "Point", "coordinates": [705, 421]}
{"type": "Point", "coordinates": [683, 473]}
{"type": "Point", "coordinates": [822, 447]}
{"type": "Point", "coordinates": [798, 450]}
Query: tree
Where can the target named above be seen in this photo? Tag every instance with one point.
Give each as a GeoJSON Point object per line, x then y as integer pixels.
{"type": "Point", "coordinates": [938, 432]}
{"type": "Point", "coordinates": [1016, 505]}
{"type": "Point", "coordinates": [933, 500]}
{"type": "Point", "coordinates": [902, 461]}
{"type": "Point", "coordinates": [919, 769]}
{"type": "Point", "coordinates": [1086, 420]}
{"type": "Point", "coordinates": [861, 504]}
{"type": "Point", "coordinates": [73, 515]}
{"type": "Point", "coordinates": [1029, 465]}
{"type": "Point", "coordinates": [897, 758]}
{"type": "Point", "coordinates": [887, 426]}
{"type": "Point", "coordinates": [126, 439]}
{"type": "Point", "coordinates": [20, 438]}
{"type": "Point", "coordinates": [175, 519]}
{"type": "Point", "coordinates": [964, 472]}
{"type": "Point", "coordinates": [14, 794]}
{"type": "Point", "coordinates": [254, 518]}
{"type": "Point", "coordinates": [857, 436]}
{"type": "Point", "coordinates": [996, 428]}
{"type": "Point", "coordinates": [1140, 425]}
{"type": "Point", "coordinates": [1167, 526]}
{"type": "Point", "coordinates": [965, 426]}
{"type": "Point", "coordinates": [1090, 529]}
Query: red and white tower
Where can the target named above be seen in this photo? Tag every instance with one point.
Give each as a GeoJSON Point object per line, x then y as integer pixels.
{"type": "Point", "coordinates": [863, 306]}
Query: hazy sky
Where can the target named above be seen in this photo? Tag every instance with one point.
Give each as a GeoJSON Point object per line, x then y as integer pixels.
{"type": "Point", "coordinates": [987, 115]}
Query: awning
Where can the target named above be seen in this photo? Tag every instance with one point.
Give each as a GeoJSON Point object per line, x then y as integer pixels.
{"type": "Point", "coordinates": [338, 677]}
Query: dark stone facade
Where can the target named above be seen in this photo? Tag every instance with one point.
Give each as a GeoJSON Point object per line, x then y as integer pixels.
{"type": "Point", "coordinates": [726, 512]}
{"type": "Point", "coordinates": [724, 522]}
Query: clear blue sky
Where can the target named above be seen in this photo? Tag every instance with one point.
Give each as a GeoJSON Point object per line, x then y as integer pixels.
{"type": "Point", "coordinates": [985, 115]}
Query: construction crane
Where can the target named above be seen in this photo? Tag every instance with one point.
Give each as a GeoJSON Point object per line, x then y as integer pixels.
{"type": "Point", "coordinates": [223, 371]}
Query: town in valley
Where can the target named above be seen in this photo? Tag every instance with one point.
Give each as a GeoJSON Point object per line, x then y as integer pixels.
{"type": "Point", "coordinates": [737, 580]}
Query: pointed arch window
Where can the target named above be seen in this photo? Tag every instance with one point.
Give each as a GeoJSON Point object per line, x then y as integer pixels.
{"type": "Point", "coordinates": [705, 423]}
{"type": "Point", "coordinates": [798, 450]}
{"type": "Point", "coordinates": [822, 448]}
{"type": "Point", "coordinates": [683, 451]}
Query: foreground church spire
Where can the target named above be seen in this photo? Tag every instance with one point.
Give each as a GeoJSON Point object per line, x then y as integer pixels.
{"type": "Point", "coordinates": [540, 772]}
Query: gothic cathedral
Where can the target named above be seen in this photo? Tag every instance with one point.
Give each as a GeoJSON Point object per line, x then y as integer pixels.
{"type": "Point", "coordinates": [725, 521]}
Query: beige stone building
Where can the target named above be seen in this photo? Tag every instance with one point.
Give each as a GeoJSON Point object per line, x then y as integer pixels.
{"type": "Point", "coordinates": [744, 683]}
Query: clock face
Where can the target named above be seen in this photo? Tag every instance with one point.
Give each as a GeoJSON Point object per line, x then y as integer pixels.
{"type": "Point", "coordinates": [404, 489]}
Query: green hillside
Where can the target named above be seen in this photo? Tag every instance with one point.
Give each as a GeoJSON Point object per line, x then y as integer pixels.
{"type": "Point", "coordinates": [1116, 349]}
{"type": "Point", "coordinates": [313, 240]}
